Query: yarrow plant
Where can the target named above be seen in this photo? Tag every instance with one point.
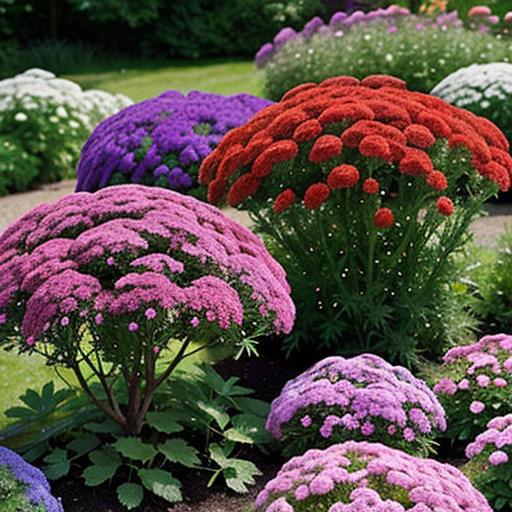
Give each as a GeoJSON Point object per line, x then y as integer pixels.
{"type": "Point", "coordinates": [361, 476]}
{"type": "Point", "coordinates": [474, 384]}
{"type": "Point", "coordinates": [162, 141]}
{"type": "Point", "coordinates": [356, 399]}
{"type": "Point", "coordinates": [484, 89]}
{"type": "Point", "coordinates": [490, 455]}
{"type": "Point", "coordinates": [419, 49]}
{"type": "Point", "coordinates": [49, 118]}
{"type": "Point", "coordinates": [364, 190]}
{"type": "Point", "coordinates": [24, 487]}
{"type": "Point", "coordinates": [110, 280]}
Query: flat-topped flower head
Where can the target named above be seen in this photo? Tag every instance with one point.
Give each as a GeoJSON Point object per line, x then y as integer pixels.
{"type": "Point", "coordinates": [364, 477]}
{"type": "Point", "coordinates": [26, 484]}
{"type": "Point", "coordinates": [132, 270]}
{"type": "Point", "coordinates": [359, 398]}
{"type": "Point", "coordinates": [473, 384]}
{"type": "Point", "coordinates": [163, 140]}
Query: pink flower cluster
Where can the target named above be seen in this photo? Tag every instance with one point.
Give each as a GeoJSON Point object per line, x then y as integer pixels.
{"type": "Point", "coordinates": [130, 253]}
{"type": "Point", "coordinates": [374, 477]}
{"type": "Point", "coordinates": [473, 377]}
{"type": "Point", "coordinates": [357, 398]}
{"type": "Point", "coordinates": [495, 443]}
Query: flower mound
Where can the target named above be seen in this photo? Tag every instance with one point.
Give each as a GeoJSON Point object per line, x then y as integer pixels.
{"type": "Point", "coordinates": [24, 485]}
{"type": "Point", "coordinates": [132, 270]}
{"type": "Point", "coordinates": [490, 455]}
{"type": "Point", "coordinates": [484, 89]}
{"type": "Point", "coordinates": [353, 477]}
{"type": "Point", "coordinates": [474, 384]}
{"type": "Point", "coordinates": [161, 141]}
{"type": "Point", "coordinates": [359, 398]}
{"type": "Point", "coordinates": [48, 119]}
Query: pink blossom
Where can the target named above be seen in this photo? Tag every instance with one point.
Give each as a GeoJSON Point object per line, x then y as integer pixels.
{"type": "Point", "coordinates": [479, 10]}
{"type": "Point", "coordinates": [133, 326]}
{"type": "Point", "coordinates": [477, 407]}
{"type": "Point", "coordinates": [150, 313]}
{"type": "Point", "coordinates": [498, 457]}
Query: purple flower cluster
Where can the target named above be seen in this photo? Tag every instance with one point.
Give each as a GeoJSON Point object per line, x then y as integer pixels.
{"type": "Point", "coordinates": [341, 22]}
{"type": "Point", "coordinates": [359, 398]}
{"type": "Point", "coordinates": [161, 141]}
{"type": "Point", "coordinates": [475, 380]}
{"type": "Point", "coordinates": [38, 489]}
{"type": "Point", "coordinates": [495, 443]}
{"type": "Point", "coordinates": [363, 477]}
{"type": "Point", "coordinates": [131, 255]}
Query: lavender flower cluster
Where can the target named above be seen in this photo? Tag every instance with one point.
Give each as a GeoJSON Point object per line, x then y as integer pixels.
{"type": "Point", "coordinates": [361, 476]}
{"type": "Point", "coordinates": [341, 22]}
{"type": "Point", "coordinates": [474, 384]}
{"type": "Point", "coordinates": [161, 141]}
{"type": "Point", "coordinates": [38, 489]}
{"type": "Point", "coordinates": [136, 258]}
{"type": "Point", "coordinates": [359, 398]}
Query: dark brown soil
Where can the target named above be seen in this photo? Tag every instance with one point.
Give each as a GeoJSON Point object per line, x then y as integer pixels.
{"type": "Point", "coordinates": [266, 375]}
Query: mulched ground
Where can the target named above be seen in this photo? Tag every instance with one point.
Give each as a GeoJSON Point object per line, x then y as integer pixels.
{"type": "Point", "coordinates": [266, 375]}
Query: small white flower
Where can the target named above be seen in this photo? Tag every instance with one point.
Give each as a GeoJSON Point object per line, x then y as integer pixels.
{"type": "Point", "coordinates": [21, 117]}
{"type": "Point", "coordinates": [62, 112]}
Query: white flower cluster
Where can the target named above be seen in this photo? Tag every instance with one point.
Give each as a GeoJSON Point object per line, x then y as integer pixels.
{"type": "Point", "coordinates": [36, 88]}
{"type": "Point", "coordinates": [478, 84]}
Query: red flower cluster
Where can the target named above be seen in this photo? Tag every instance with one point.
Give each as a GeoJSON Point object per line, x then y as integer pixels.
{"type": "Point", "coordinates": [377, 118]}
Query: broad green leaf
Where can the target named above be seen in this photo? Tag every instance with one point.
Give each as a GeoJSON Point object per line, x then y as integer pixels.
{"type": "Point", "coordinates": [238, 436]}
{"type": "Point", "coordinates": [130, 495]}
{"type": "Point", "coordinates": [178, 450]}
{"type": "Point", "coordinates": [164, 421]}
{"type": "Point", "coordinates": [161, 483]}
{"type": "Point", "coordinates": [105, 458]}
{"type": "Point", "coordinates": [251, 426]}
{"type": "Point", "coordinates": [218, 414]}
{"type": "Point", "coordinates": [95, 475]}
{"type": "Point", "coordinates": [104, 427]}
{"type": "Point", "coordinates": [239, 474]}
{"type": "Point", "coordinates": [217, 455]}
{"type": "Point", "coordinates": [83, 444]}
{"type": "Point", "coordinates": [253, 406]}
{"type": "Point", "coordinates": [57, 455]}
{"type": "Point", "coordinates": [133, 448]}
{"type": "Point", "coordinates": [57, 470]}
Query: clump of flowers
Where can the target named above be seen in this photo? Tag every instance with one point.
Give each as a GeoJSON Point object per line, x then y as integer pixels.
{"type": "Point", "coordinates": [361, 476]}
{"type": "Point", "coordinates": [474, 384]}
{"type": "Point", "coordinates": [24, 487]}
{"type": "Point", "coordinates": [111, 280]}
{"type": "Point", "coordinates": [364, 190]}
{"type": "Point", "coordinates": [361, 398]}
{"type": "Point", "coordinates": [490, 465]}
{"type": "Point", "coordinates": [162, 141]}
{"type": "Point", "coordinates": [484, 89]}
{"type": "Point", "coordinates": [420, 49]}
{"type": "Point", "coordinates": [49, 119]}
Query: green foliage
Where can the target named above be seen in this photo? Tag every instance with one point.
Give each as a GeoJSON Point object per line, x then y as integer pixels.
{"type": "Point", "coordinates": [420, 57]}
{"type": "Point", "coordinates": [200, 421]}
{"type": "Point", "coordinates": [12, 494]}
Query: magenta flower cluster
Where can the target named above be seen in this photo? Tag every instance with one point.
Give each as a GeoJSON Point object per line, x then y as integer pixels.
{"type": "Point", "coordinates": [475, 381]}
{"type": "Point", "coordinates": [363, 397]}
{"type": "Point", "coordinates": [38, 490]}
{"type": "Point", "coordinates": [495, 443]}
{"type": "Point", "coordinates": [134, 256]}
{"type": "Point", "coordinates": [341, 22]}
{"type": "Point", "coordinates": [161, 141]}
{"type": "Point", "coordinates": [364, 477]}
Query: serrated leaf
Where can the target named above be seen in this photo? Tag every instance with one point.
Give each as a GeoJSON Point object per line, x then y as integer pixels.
{"type": "Point", "coordinates": [239, 474]}
{"type": "Point", "coordinates": [133, 448]}
{"type": "Point", "coordinates": [252, 427]}
{"type": "Point", "coordinates": [217, 455]}
{"type": "Point", "coordinates": [105, 458]}
{"type": "Point", "coordinates": [130, 495]}
{"type": "Point", "coordinates": [164, 421]}
{"type": "Point", "coordinates": [57, 455]}
{"type": "Point", "coordinates": [83, 444]}
{"type": "Point", "coordinates": [253, 406]}
{"type": "Point", "coordinates": [57, 470]}
{"type": "Point", "coordinates": [103, 427]}
{"type": "Point", "coordinates": [238, 436]}
{"type": "Point", "coordinates": [218, 414]}
{"type": "Point", "coordinates": [179, 451]}
{"type": "Point", "coordinates": [95, 475]}
{"type": "Point", "coordinates": [161, 483]}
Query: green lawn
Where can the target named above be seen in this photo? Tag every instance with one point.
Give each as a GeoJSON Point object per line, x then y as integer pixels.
{"type": "Point", "coordinates": [140, 81]}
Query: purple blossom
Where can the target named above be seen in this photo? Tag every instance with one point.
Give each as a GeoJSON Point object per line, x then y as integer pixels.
{"type": "Point", "coordinates": [318, 479]}
{"type": "Point", "coordinates": [38, 489]}
{"type": "Point", "coordinates": [352, 396]}
{"type": "Point", "coordinates": [162, 140]}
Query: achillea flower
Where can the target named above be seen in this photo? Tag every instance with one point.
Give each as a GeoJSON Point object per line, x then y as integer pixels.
{"type": "Point", "coordinates": [325, 148]}
{"type": "Point", "coordinates": [384, 218]}
{"type": "Point", "coordinates": [343, 176]}
{"type": "Point", "coordinates": [316, 195]}
{"type": "Point", "coordinates": [371, 186]}
{"type": "Point", "coordinates": [284, 200]}
{"type": "Point", "coordinates": [445, 206]}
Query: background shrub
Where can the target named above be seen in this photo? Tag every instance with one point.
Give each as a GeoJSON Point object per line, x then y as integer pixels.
{"type": "Point", "coordinates": [342, 214]}
{"type": "Point", "coordinates": [484, 89]}
{"type": "Point", "coordinates": [47, 119]}
{"type": "Point", "coordinates": [362, 398]}
{"type": "Point", "coordinates": [473, 385]}
{"type": "Point", "coordinates": [420, 52]}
